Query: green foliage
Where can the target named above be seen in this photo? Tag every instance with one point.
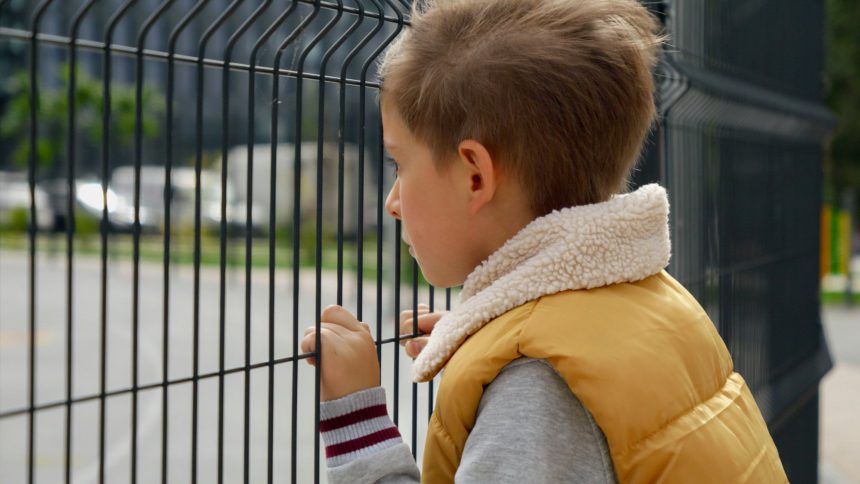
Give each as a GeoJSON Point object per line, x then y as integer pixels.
{"type": "Point", "coordinates": [843, 90]}
{"type": "Point", "coordinates": [18, 221]}
{"type": "Point", "coordinates": [53, 112]}
{"type": "Point", "coordinates": [86, 224]}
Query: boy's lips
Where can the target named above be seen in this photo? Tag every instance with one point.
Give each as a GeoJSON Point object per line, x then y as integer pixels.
{"type": "Point", "coordinates": [406, 241]}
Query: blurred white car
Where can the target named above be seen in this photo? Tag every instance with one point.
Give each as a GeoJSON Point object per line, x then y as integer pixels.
{"type": "Point", "coordinates": [183, 181]}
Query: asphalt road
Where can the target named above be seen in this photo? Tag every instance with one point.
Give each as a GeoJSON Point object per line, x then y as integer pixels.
{"type": "Point", "coordinates": [51, 340]}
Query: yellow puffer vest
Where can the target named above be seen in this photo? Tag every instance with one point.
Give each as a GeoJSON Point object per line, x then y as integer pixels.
{"type": "Point", "coordinates": [645, 360]}
{"type": "Point", "coordinates": [584, 288]}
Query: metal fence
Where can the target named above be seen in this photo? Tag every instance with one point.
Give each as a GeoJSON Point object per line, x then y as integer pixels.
{"type": "Point", "coordinates": [233, 148]}
{"type": "Point", "coordinates": [740, 150]}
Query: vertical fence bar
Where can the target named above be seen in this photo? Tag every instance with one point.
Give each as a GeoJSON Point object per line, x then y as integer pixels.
{"type": "Point", "coordinates": [70, 225]}
{"type": "Point", "coordinates": [340, 144]}
{"type": "Point", "coordinates": [172, 40]}
{"type": "Point", "coordinates": [3, 4]}
{"type": "Point", "coordinates": [380, 203]}
{"type": "Point", "coordinates": [362, 116]}
{"type": "Point", "coordinates": [105, 225]}
{"type": "Point", "coordinates": [340, 180]}
{"type": "Point", "coordinates": [319, 220]}
{"type": "Point", "coordinates": [246, 467]}
{"type": "Point", "coordinates": [32, 162]}
{"type": "Point", "coordinates": [362, 133]}
{"type": "Point", "coordinates": [414, 333]}
{"type": "Point", "coordinates": [138, 154]}
{"type": "Point", "coordinates": [297, 172]}
{"type": "Point", "coordinates": [397, 230]}
{"type": "Point", "coordinates": [272, 234]}
{"type": "Point", "coordinates": [380, 182]}
{"type": "Point", "coordinates": [198, 169]}
{"type": "Point", "coordinates": [398, 227]}
{"type": "Point", "coordinates": [222, 262]}
{"type": "Point", "coordinates": [432, 304]}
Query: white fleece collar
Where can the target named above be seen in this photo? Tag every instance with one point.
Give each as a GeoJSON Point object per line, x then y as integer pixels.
{"type": "Point", "coordinates": [624, 239]}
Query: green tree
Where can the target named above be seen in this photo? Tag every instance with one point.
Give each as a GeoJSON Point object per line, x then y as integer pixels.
{"type": "Point", "coordinates": [842, 68]}
{"type": "Point", "coordinates": [53, 106]}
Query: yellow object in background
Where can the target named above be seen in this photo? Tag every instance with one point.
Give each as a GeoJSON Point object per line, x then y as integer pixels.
{"type": "Point", "coordinates": [844, 242]}
{"type": "Point", "coordinates": [824, 247]}
{"type": "Point", "coordinates": [835, 249]}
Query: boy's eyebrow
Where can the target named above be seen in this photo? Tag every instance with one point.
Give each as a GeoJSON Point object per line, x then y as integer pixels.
{"type": "Point", "coordinates": [389, 145]}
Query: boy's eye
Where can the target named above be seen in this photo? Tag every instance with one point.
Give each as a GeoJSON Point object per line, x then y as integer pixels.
{"type": "Point", "coordinates": [393, 164]}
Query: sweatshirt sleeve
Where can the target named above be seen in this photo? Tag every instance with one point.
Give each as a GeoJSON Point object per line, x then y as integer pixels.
{"type": "Point", "coordinates": [512, 441]}
{"type": "Point", "coordinates": [531, 428]}
{"type": "Point", "coordinates": [362, 444]}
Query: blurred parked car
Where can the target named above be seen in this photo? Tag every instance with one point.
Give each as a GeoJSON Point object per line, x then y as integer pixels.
{"type": "Point", "coordinates": [91, 199]}
{"type": "Point", "coordinates": [183, 181]}
{"type": "Point", "coordinates": [261, 181]}
{"type": "Point", "coordinates": [88, 202]}
{"type": "Point", "coordinates": [15, 201]}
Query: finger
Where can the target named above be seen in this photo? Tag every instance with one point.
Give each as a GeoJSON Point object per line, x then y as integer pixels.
{"type": "Point", "coordinates": [308, 345]}
{"type": "Point", "coordinates": [366, 328]}
{"type": "Point", "coordinates": [338, 315]}
{"type": "Point", "coordinates": [407, 328]}
{"type": "Point", "coordinates": [326, 329]}
{"type": "Point", "coordinates": [426, 323]}
{"type": "Point", "coordinates": [414, 346]}
{"type": "Point", "coordinates": [408, 313]}
{"type": "Point", "coordinates": [309, 341]}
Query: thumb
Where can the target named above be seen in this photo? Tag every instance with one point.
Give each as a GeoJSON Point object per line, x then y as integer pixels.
{"type": "Point", "coordinates": [414, 347]}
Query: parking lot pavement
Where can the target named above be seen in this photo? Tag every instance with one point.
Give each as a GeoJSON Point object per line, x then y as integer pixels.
{"type": "Point", "coordinates": [50, 342]}
{"type": "Point", "coordinates": [840, 399]}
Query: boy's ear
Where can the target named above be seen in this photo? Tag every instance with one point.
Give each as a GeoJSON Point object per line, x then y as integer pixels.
{"type": "Point", "coordinates": [477, 164]}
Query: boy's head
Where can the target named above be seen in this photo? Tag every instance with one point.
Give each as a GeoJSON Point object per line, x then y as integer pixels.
{"type": "Point", "coordinates": [556, 95]}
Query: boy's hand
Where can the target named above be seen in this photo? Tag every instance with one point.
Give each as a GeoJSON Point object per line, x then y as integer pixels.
{"type": "Point", "coordinates": [426, 322]}
{"type": "Point", "coordinates": [349, 353]}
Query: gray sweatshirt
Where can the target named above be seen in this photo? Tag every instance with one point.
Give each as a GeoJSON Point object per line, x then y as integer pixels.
{"type": "Point", "coordinates": [529, 428]}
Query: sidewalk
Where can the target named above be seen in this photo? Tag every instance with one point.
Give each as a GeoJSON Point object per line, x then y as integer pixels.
{"type": "Point", "coordinates": [839, 457]}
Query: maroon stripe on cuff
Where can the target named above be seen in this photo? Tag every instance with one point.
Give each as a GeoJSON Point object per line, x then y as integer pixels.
{"type": "Point", "coordinates": [361, 442]}
{"type": "Point", "coordinates": [353, 418]}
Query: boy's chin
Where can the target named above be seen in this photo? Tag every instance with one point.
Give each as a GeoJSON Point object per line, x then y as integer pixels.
{"type": "Point", "coordinates": [440, 281]}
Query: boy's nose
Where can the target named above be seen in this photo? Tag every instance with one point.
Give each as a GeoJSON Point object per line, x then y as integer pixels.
{"type": "Point", "coordinates": [392, 202]}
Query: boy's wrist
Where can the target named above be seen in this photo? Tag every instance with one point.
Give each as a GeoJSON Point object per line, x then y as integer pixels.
{"type": "Point", "coordinates": [356, 425]}
{"type": "Point", "coordinates": [354, 401]}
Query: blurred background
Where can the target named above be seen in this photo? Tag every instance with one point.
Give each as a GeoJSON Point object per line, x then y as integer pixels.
{"type": "Point", "coordinates": [183, 184]}
{"type": "Point", "coordinates": [840, 242]}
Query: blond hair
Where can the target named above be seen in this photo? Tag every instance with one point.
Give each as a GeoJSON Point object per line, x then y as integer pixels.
{"type": "Point", "coordinates": [560, 92]}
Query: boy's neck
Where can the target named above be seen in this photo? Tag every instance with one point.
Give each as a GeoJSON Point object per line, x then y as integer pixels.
{"type": "Point", "coordinates": [506, 216]}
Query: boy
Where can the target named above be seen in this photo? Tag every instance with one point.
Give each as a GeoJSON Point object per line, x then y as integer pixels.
{"type": "Point", "coordinates": [573, 356]}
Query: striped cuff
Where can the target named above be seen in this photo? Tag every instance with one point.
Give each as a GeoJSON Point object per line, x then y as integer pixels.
{"type": "Point", "coordinates": [355, 426]}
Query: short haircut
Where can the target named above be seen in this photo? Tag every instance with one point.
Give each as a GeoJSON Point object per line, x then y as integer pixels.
{"type": "Point", "coordinates": [560, 92]}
